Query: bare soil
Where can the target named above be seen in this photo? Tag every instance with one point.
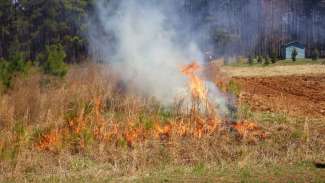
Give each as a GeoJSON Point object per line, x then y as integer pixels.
{"type": "Point", "coordinates": [302, 96]}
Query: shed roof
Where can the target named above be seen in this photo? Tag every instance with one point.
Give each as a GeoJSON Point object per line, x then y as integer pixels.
{"type": "Point", "coordinates": [296, 44]}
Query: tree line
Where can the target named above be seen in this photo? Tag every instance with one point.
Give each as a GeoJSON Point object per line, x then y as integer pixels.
{"type": "Point", "coordinates": [258, 27]}
{"type": "Point", "coordinates": [29, 26]}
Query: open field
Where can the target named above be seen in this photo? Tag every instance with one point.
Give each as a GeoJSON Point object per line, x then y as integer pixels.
{"type": "Point", "coordinates": [297, 90]}
{"type": "Point", "coordinates": [85, 128]}
{"type": "Point", "coordinates": [276, 70]}
{"type": "Point", "coordinates": [302, 96]}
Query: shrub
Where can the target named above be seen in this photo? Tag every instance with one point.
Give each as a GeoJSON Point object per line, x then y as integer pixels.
{"type": "Point", "coordinates": [250, 60]}
{"type": "Point", "coordinates": [52, 60]}
{"type": "Point", "coordinates": [315, 54]}
{"type": "Point", "coordinates": [294, 54]}
{"type": "Point", "coordinates": [259, 59]}
{"type": "Point", "coordinates": [15, 65]}
{"type": "Point", "coordinates": [267, 61]}
{"type": "Point", "coordinates": [274, 59]}
{"type": "Point", "coordinates": [5, 76]}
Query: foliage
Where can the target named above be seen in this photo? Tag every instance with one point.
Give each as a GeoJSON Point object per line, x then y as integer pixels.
{"type": "Point", "coordinates": [315, 54]}
{"type": "Point", "coordinates": [250, 60]}
{"type": "Point", "coordinates": [52, 60]}
{"type": "Point", "coordinates": [5, 76]}
{"type": "Point", "coordinates": [8, 69]}
{"type": "Point", "coordinates": [259, 59]}
{"type": "Point", "coordinates": [17, 64]}
{"type": "Point", "coordinates": [274, 58]}
{"type": "Point", "coordinates": [29, 26]}
{"type": "Point", "coordinates": [267, 61]}
{"type": "Point", "coordinates": [294, 54]}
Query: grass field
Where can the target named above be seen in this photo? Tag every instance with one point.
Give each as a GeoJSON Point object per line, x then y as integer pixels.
{"type": "Point", "coordinates": [84, 129]}
{"type": "Point", "coordinates": [276, 70]}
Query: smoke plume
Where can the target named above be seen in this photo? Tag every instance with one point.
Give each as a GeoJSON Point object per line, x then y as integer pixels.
{"type": "Point", "coordinates": [147, 43]}
{"type": "Point", "coordinates": [142, 42]}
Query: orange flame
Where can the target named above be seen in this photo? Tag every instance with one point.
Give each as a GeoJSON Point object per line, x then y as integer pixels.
{"type": "Point", "coordinates": [163, 132]}
{"type": "Point", "coordinates": [132, 135]}
{"type": "Point", "coordinates": [48, 141]}
{"type": "Point", "coordinates": [196, 84]}
{"type": "Point", "coordinates": [246, 129]}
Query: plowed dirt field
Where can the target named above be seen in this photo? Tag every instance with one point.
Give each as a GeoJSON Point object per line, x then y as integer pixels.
{"type": "Point", "coordinates": [302, 96]}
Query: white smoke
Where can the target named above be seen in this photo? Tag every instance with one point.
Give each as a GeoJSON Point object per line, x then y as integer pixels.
{"type": "Point", "coordinates": [147, 43]}
{"type": "Point", "coordinates": [142, 43]}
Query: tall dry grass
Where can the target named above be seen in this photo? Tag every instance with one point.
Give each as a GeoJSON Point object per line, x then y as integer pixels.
{"type": "Point", "coordinates": [89, 124]}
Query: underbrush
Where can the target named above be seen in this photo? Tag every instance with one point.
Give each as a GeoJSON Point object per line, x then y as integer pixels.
{"type": "Point", "coordinates": [85, 128]}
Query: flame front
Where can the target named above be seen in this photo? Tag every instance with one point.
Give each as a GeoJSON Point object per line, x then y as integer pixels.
{"type": "Point", "coordinates": [198, 125]}
{"type": "Point", "coordinates": [197, 86]}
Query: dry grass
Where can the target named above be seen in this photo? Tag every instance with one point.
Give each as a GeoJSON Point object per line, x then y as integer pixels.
{"type": "Point", "coordinates": [285, 70]}
{"type": "Point", "coordinates": [90, 128]}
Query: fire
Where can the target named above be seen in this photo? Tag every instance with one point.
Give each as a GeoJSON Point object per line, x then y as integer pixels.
{"type": "Point", "coordinates": [181, 129]}
{"type": "Point", "coordinates": [163, 132]}
{"type": "Point", "coordinates": [49, 141]}
{"type": "Point", "coordinates": [198, 89]}
{"type": "Point", "coordinates": [133, 134]}
{"type": "Point", "coordinates": [197, 125]}
{"type": "Point", "coordinates": [249, 129]}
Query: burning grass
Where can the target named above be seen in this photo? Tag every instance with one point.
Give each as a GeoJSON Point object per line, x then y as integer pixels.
{"type": "Point", "coordinates": [83, 129]}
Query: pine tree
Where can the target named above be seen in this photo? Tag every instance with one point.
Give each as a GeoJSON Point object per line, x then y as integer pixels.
{"type": "Point", "coordinates": [294, 54]}
{"type": "Point", "coordinates": [54, 63]}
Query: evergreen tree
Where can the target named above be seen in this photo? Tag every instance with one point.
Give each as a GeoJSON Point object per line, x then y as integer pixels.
{"type": "Point", "coordinates": [53, 62]}
{"type": "Point", "coordinates": [294, 54]}
{"type": "Point", "coordinates": [29, 26]}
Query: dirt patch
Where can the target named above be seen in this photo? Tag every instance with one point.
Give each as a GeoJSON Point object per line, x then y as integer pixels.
{"type": "Point", "coordinates": [294, 95]}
